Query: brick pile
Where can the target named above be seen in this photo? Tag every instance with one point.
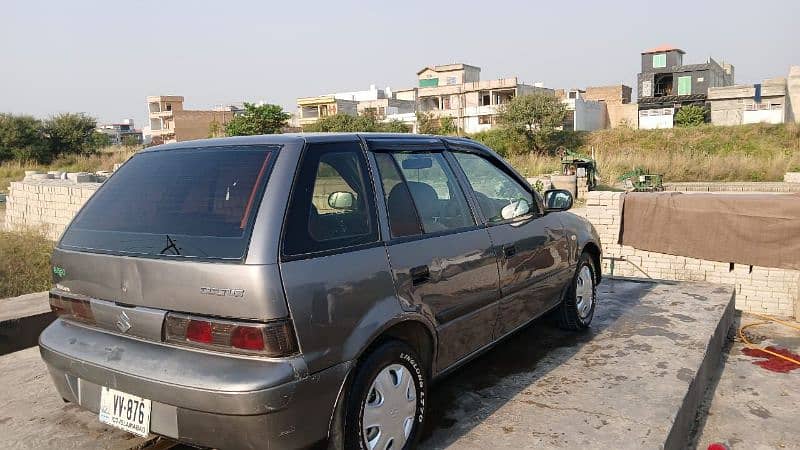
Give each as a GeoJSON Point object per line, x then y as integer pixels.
{"type": "Point", "coordinates": [46, 204]}
{"type": "Point", "coordinates": [758, 289]}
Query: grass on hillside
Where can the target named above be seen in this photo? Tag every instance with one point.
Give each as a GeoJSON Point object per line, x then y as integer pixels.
{"type": "Point", "coordinates": [102, 160]}
{"type": "Point", "coordinates": [24, 263]}
{"type": "Point", "coordinates": [756, 152]}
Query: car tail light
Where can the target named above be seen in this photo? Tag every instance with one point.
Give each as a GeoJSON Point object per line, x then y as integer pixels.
{"type": "Point", "coordinates": [272, 339]}
{"type": "Point", "coordinates": [72, 308]}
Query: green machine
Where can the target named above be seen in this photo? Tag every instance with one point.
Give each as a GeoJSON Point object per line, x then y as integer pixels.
{"type": "Point", "coordinates": [639, 180]}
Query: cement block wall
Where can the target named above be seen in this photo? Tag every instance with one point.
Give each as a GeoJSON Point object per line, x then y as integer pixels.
{"type": "Point", "coordinates": [47, 204]}
{"type": "Point", "coordinates": [758, 289]}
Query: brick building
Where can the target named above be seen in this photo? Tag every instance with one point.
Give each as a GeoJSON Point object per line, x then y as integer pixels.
{"type": "Point", "coordinates": [170, 122]}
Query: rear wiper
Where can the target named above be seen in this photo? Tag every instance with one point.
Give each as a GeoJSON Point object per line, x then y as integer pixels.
{"type": "Point", "coordinates": [171, 245]}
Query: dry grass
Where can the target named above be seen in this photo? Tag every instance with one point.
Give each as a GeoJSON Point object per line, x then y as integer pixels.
{"type": "Point", "coordinates": [102, 160]}
{"type": "Point", "coordinates": [24, 263]}
{"type": "Point", "coordinates": [708, 153]}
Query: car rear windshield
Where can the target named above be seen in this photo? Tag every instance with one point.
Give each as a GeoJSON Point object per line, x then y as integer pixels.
{"type": "Point", "coordinates": [193, 202]}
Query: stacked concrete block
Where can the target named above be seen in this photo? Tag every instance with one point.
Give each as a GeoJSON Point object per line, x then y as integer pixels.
{"type": "Point", "coordinates": [791, 177]}
{"type": "Point", "coordinates": [46, 204]}
{"type": "Point", "coordinates": [758, 289]}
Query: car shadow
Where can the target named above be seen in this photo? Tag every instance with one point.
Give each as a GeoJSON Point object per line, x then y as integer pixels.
{"type": "Point", "coordinates": [463, 399]}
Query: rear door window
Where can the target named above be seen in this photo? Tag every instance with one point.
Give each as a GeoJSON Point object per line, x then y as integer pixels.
{"type": "Point", "coordinates": [332, 205]}
{"type": "Point", "coordinates": [437, 198]}
{"type": "Point", "coordinates": [192, 202]}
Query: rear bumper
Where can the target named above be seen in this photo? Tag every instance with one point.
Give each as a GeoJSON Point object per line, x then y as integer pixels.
{"type": "Point", "coordinates": [201, 398]}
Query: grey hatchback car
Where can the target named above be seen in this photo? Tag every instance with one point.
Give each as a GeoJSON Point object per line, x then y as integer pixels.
{"type": "Point", "coordinates": [291, 291]}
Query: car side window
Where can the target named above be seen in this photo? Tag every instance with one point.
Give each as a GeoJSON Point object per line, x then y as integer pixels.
{"type": "Point", "coordinates": [332, 203]}
{"type": "Point", "coordinates": [403, 218]}
{"type": "Point", "coordinates": [439, 201]}
{"type": "Point", "coordinates": [500, 197]}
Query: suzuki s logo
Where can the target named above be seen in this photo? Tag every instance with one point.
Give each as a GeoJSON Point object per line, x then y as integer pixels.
{"type": "Point", "coordinates": [222, 292]}
{"type": "Point", "coordinates": [123, 322]}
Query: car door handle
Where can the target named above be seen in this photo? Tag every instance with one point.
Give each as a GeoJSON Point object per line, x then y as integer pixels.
{"type": "Point", "coordinates": [509, 250]}
{"type": "Point", "coordinates": [419, 275]}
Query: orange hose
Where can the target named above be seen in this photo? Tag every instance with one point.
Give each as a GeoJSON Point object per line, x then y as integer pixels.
{"type": "Point", "coordinates": [769, 352]}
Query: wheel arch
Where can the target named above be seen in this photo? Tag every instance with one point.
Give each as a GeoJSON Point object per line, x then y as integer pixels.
{"type": "Point", "coordinates": [596, 254]}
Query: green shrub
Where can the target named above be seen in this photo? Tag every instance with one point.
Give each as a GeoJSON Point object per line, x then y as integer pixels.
{"type": "Point", "coordinates": [691, 116]}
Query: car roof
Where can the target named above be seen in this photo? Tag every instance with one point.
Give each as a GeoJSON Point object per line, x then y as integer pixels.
{"type": "Point", "coordinates": [300, 138]}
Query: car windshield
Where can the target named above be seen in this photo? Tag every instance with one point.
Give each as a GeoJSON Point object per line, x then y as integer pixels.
{"type": "Point", "coordinates": [193, 202]}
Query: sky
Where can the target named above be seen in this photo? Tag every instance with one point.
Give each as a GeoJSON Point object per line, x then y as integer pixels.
{"type": "Point", "coordinates": [103, 58]}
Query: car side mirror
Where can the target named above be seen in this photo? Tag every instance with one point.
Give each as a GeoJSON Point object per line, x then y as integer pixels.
{"type": "Point", "coordinates": [557, 200]}
{"type": "Point", "coordinates": [341, 200]}
{"type": "Point", "coordinates": [515, 209]}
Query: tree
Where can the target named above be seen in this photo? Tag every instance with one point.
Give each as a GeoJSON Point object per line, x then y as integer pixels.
{"type": "Point", "coordinates": [447, 126]}
{"type": "Point", "coordinates": [427, 123]}
{"type": "Point", "coordinates": [71, 133]}
{"type": "Point", "coordinates": [344, 123]}
{"type": "Point", "coordinates": [21, 137]}
{"type": "Point", "coordinates": [263, 119]}
{"type": "Point", "coordinates": [537, 116]}
{"type": "Point", "coordinates": [690, 116]}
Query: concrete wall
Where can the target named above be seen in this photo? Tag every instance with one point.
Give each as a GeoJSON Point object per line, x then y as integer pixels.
{"type": "Point", "coordinates": [791, 177]}
{"type": "Point", "coordinates": [759, 289]}
{"type": "Point", "coordinates": [589, 115]}
{"type": "Point", "coordinates": [191, 125]}
{"type": "Point", "coordinates": [651, 119]}
{"type": "Point", "coordinates": [612, 95]}
{"type": "Point", "coordinates": [793, 94]}
{"type": "Point", "coordinates": [623, 115]}
{"type": "Point", "coordinates": [48, 205]}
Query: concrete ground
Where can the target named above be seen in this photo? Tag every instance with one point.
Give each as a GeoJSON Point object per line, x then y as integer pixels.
{"type": "Point", "coordinates": [620, 385]}
{"type": "Point", "coordinates": [625, 383]}
{"type": "Point", "coordinates": [33, 416]}
{"type": "Point", "coordinates": [755, 406]}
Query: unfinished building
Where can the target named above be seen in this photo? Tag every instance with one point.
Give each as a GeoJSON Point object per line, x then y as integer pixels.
{"type": "Point", "coordinates": [456, 91]}
{"type": "Point", "coordinates": [666, 84]}
{"type": "Point", "coordinates": [766, 102]}
{"type": "Point", "coordinates": [170, 122]}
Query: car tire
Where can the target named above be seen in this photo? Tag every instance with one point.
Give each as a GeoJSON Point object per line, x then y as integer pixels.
{"type": "Point", "coordinates": [386, 399]}
{"type": "Point", "coordinates": [577, 307]}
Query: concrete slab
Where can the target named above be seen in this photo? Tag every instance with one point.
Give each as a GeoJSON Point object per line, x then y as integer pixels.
{"type": "Point", "coordinates": [24, 305]}
{"type": "Point", "coordinates": [755, 407]}
{"type": "Point", "coordinates": [33, 416]}
{"type": "Point", "coordinates": [22, 319]}
{"type": "Point", "coordinates": [633, 381]}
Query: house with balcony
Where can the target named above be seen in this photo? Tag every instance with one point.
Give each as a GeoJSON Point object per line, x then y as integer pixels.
{"type": "Point", "coordinates": [456, 91]}
{"type": "Point", "coordinates": [666, 84]}
{"type": "Point", "coordinates": [170, 122]}
{"type": "Point", "coordinates": [379, 103]}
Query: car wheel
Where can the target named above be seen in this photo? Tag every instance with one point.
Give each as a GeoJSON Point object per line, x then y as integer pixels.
{"type": "Point", "coordinates": [386, 403]}
{"type": "Point", "coordinates": [577, 308]}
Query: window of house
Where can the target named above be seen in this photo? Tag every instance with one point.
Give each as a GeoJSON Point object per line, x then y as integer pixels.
{"type": "Point", "coordinates": [486, 99]}
{"type": "Point", "coordinates": [169, 106]}
{"type": "Point", "coordinates": [485, 119]}
{"type": "Point", "coordinates": [446, 103]}
{"type": "Point", "coordinates": [659, 60]}
{"type": "Point", "coordinates": [332, 204]}
{"type": "Point", "coordinates": [494, 189]}
{"type": "Point", "coordinates": [684, 85]}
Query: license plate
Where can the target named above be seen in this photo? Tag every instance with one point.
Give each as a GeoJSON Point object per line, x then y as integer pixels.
{"type": "Point", "coordinates": [125, 411]}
